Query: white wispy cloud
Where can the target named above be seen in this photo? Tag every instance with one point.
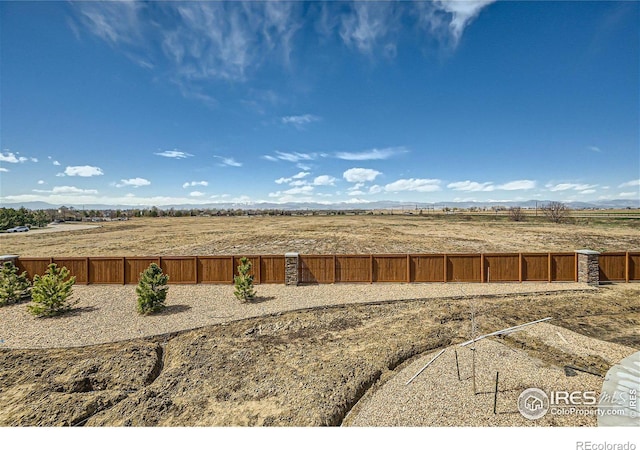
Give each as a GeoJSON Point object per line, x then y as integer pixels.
{"type": "Point", "coordinates": [631, 183]}
{"type": "Point", "coordinates": [41, 182]}
{"type": "Point", "coordinates": [227, 162]}
{"type": "Point", "coordinates": [61, 190]}
{"type": "Point", "coordinates": [447, 19]}
{"type": "Point", "coordinates": [414, 184]}
{"type": "Point", "coordinates": [291, 156]}
{"type": "Point", "coordinates": [593, 148]}
{"type": "Point", "coordinates": [12, 158]}
{"type": "Point", "coordinates": [569, 186]}
{"type": "Point", "coordinates": [196, 194]}
{"type": "Point", "coordinates": [324, 180]}
{"type": "Point", "coordinates": [194, 183]}
{"type": "Point", "coordinates": [471, 186]}
{"type": "Point", "coordinates": [517, 185]}
{"type": "Point", "coordinates": [360, 175]}
{"type": "Point", "coordinates": [299, 121]}
{"type": "Point", "coordinates": [83, 171]}
{"type": "Point", "coordinates": [134, 182]}
{"type": "Point", "coordinates": [2, 169]}
{"type": "Point", "coordinates": [297, 176]}
{"type": "Point", "coordinates": [177, 154]}
{"type": "Point", "coordinates": [373, 154]}
{"type": "Point", "coordinates": [629, 195]}
{"type": "Point", "coordinates": [369, 25]}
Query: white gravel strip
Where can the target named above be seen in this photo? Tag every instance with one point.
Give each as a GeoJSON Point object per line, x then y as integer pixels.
{"type": "Point", "coordinates": [108, 313]}
{"type": "Point", "coordinates": [438, 398]}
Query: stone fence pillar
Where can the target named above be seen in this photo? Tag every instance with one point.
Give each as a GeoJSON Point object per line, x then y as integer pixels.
{"type": "Point", "coordinates": [291, 269]}
{"type": "Point", "coordinates": [588, 267]}
{"type": "Point", "coordinates": [12, 258]}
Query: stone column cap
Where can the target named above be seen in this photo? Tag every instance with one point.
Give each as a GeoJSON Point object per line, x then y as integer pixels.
{"type": "Point", "coordinates": [291, 255]}
{"type": "Point", "coordinates": [8, 257]}
{"type": "Point", "coordinates": [587, 252]}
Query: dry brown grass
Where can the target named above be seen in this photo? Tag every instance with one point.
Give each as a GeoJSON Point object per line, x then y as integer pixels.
{"type": "Point", "coordinates": [322, 235]}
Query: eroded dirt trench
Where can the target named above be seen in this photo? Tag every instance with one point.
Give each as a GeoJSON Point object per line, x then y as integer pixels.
{"type": "Point", "coordinates": [304, 368]}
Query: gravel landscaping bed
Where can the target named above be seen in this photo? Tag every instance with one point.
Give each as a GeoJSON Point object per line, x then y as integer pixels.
{"type": "Point", "coordinates": [438, 398]}
{"type": "Point", "coordinates": [108, 313]}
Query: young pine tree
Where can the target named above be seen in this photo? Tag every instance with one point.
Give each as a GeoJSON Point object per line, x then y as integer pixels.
{"type": "Point", "coordinates": [14, 287]}
{"type": "Point", "coordinates": [244, 282]}
{"type": "Point", "coordinates": [50, 293]}
{"type": "Point", "coordinates": [152, 290]}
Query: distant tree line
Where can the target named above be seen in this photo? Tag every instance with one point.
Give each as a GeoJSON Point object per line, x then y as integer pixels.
{"type": "Point", "coordinates": [10, 218]}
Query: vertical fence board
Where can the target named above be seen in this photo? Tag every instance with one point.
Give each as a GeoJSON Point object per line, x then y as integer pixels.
{"type": "Point", "coordinates": [272, 269]}
{"type": "Point", "coordinates": [502, 267]}
{"type": "Point", "coordinates": [180, 269]}
{"type": "Point", "coordinates": [613, 266]}
{"type": "Point", "coordinates": [106, 270]}
{"type": "Point", "coordinates": [353, 268]}
{"type": "Point", "coordinates": [427, 268]}
{"type": "Point", "coordinates": [215, 269]}
{"type": "Point", "coordinates": [563, 266]}
{"type": "Point", "coordinates": [464, 268]}
{"type": "Point", "coordinates": [317, 269]}
{"type": "Point", "coordinates": [535, 267]}
{"type": "Point", "coordinates": [77, 268]}
{"type": "Point", "coordinates": [634, 266]}
{"type": "Point", "coordinates": [255, 266]}
{"type": "Point", "coordinates": [134, 266]}
{"type": "Point", "coordinates": [33, 266]}
{"type": "Point", "coordinates": [389, 268]}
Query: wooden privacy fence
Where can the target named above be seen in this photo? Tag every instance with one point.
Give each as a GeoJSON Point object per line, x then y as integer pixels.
{"type": "Point", "coordinates": [312, 269]}
{"type": "Point", "coordinates": [181, 269]}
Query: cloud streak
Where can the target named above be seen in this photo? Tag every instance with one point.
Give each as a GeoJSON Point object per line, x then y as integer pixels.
{"type": "Point", "coordinates": [176, 154]}
{"type": "Point", "coordinates": [373, 154]}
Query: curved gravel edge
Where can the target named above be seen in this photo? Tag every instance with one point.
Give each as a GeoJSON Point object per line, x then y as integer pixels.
{"type": "Point", "coordinates": [108, 313]}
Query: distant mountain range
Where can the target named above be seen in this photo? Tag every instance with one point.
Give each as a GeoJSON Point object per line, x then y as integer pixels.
{"type": "Point", "coordinates": [377, 205]}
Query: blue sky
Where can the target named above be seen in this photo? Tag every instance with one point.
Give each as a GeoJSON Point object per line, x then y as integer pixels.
{"type": "Point", "coordinates": [159, 103]}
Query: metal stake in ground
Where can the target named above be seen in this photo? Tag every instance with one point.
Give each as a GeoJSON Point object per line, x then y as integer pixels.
{"type": "Point", "coordinates": [495, 395]}
{"type": "Point", "coordinates": [457, 365]}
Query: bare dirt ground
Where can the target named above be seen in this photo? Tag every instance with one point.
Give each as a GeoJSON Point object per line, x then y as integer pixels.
{"type": "Point", "coordinates": [304, 368]}
{"type": "Point", "coordinates": [324, 235]}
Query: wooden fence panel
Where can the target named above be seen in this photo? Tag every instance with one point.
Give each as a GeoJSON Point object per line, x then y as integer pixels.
{"type": "Point", "coordinates": [563, 267]}
{"type": "Point", "coordinates": [427, 268]}
{"type": "Point", "coordinates": [106, 270]}
{"type": "Point", "coordinates": [134, 266]}
{"type": "Point", "coordinates": [272, 269]}
{"type": "Point", "coordinates": [535, 267]}
{"type": "Point", "coordinates": [353, 269]}
{"type": "Point", "coordinates": [181, 269]}
{"type": "Point", "coordinates": [78, 267]}
{"type": "Point", "coordinates": [500, 268]}
{"type": "Point", "coordinates": [464, 268]}
{"type": "Point", "coordinates": [33, 266]}
{"type": "Point", "coordinates": [255, 267]}
{"type": "Point", "coordinates": [215, 269]}
{"type": "Point", "coordinates": [314, 269]}
{"type": "Point", "coordinates": [613, 266]}
{"type": "Point", "coordinates": [634, 266]}
{"type": "Point", "coordinates": [390, 268]}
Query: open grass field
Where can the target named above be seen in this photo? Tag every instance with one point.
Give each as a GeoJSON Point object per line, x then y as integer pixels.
{"type": "Point", "coordinates": [326, 235]}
